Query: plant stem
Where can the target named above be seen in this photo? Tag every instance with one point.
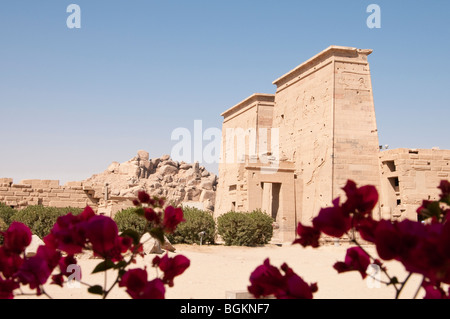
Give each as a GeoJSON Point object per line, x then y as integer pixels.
{"type": "Point", "coordinates": [391, 281]}
{"type": "Point", "coordinates": [397, 295]}
{"type": "Point", "coordinates": [418, 288]}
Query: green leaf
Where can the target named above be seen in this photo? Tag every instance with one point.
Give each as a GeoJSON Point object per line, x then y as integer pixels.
{"type": "Point", "coordinates": [97, 290]}
{"type": "Point", "coordinates": [132, 234]}
{"type": "Point", "coordinates": [157, 233]}
{"type": "Point", "coordinates": [140, 211]}
{"type": "Point", "coordinates": [120, 264]}
{"type": "Point", "coordinates": [103, 266]}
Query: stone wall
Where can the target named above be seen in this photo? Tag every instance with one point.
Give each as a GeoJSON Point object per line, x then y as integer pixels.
{"type": "Point", "coordinates": [116, 188]}
{"type": "Point", "coordinates": [304, 115]}
{"type": "Point", "coordinates": [409, 176]}
{"type": "Point", "coordinates": [254, 113]}
{"type": "Point", "coordinates": [356, 146]}
{"type": "Point", "coordinates": [46, 193]}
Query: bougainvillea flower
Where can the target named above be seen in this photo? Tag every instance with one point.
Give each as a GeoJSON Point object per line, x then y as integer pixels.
{"type": "Point", "coordinates": [366, 227]}
{"type": "Point", "coordinates": [359, 200]}
{"type": "Point", "coordinates": [9, 262]}
{"type": "Point", "coordinates": [332, 221]}
{"type": "Point", "coordinates": [444, 186]}
{"type": "Point", "coordinates": [355, 259]}
{"type": "Point", "coordinates": [134, 280]}
{"type": "Point", "coordinates": [308, 236]}
{"type": "Point", "coordinates": [17, 237]}
{"type": "Point", "coordinates": [296, 287]}
{"type": "Point", "coordinates": [69, 232]}
{"type": "Point", "coordinates": [143, 197]}
{"type": "Point", "coordinates": [103, 234]}
{"type": "Point", "coordinates": [171, 267]}
{"type": "Point", "coordinates": [267, 280]}
{"type": "Point", "coordinates": [152, 216]}
{"type": "Point", "coordinates": [387, 240]}
{"type": "Point", "coordinates": [7, 286]}
{"type": "Point", "coordinates": [138, 287]}
{"type": "Point", "coordinates": [172, 217]}
{"type": "Point", "coordinates": [36, 270]}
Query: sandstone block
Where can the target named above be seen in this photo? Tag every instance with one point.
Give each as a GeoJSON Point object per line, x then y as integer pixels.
{"type": "Point", "coordinates": [207, 194]}
{"type": "Point", "coordinates": [185, 166]}
{"type": "Point", "coordinates": [7, 181]}
{"type": "Point", "coordinates": [34, 245]}
{"type": "Point", "coordinates": [168, 169]}
{"type": "Point", "coordinates": [206, 184]}
{"type": "Point", "coordinates": [73, 184]}
{"type": "Point", "coordinates": [143, 155]}
{"type": "Point", "coordinates": [129, 169]}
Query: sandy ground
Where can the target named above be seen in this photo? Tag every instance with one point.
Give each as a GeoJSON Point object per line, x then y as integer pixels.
{"type": "Point", "coordinates": [216, 270]}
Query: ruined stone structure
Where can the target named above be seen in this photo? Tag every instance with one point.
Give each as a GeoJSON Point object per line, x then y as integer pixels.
{"type": "Point", "coordinates": [291, 153]}
{"type": "Point", "coordinates": [409, 176]}
{"type": "Point", "coordinates": [116, 188]}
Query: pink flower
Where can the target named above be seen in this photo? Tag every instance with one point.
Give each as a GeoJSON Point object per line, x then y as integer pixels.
{"type": "Point", "coordinates": [332, 221]}
{"type": "Point", "coordinates": [309, 236]}
{"type": "Point", "coordinates": [356, 259]}
{"type": "Point", "coordinates": [143, 197]}
{"type": "Point", "coordinates": [366, 227]}
{"type": "Point", "coordinates": [134, 280]}
{"type": "Point", "coordinates": [7, 286]}
{"type": "Point", "coordinates": [152, 216]}
{"type": "Point", "coordinates": [64, 263]}
{"type": "Point", "coordinates": [9, 262]}
{"type": "Point", "coordinates": [387, 240]}
{"type": "Point", "coordinates": [103, 234]}
{"type": "Point", "coordinates": [138, 287]}
{"type": "Point", "coordinates": [444, 186]}
{"type": "Point", "coordinates": [17, 238]}
{"type": "Point", "coordinates": [171, 267]}
{"type": "Point", "coordinates": [296, 287]}
{"type": "Point", "coordinates": [36, 270]}
{"type": "Point", "coordinates": [172, 217]}
{"type": "Point", "coordinates": [69, 232]}
{"type": "Point", "coordinates": [267, 280]}
{"type": "Point", "coordinates": [360, 200]}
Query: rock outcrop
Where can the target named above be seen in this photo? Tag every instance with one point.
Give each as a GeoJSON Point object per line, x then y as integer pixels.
{"type": "Point", "coordinates": [179, 182]}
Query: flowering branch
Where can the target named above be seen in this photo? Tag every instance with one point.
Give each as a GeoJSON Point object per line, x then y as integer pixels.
{"type": "Point", "coordinates": [423, 247]}
{"type": "Point", "coordinates": [72, 235]}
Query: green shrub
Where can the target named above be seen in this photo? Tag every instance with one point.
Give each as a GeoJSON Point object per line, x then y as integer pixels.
{"type": "Point", "coordinates": [3, 227]}
{"type": "Point", "coordinates": [245, 229]}
{"type": "Point", "coordinates": [41, 219]}
{"type": "Point", "coordinates": [128, 219]}
{"type": "Point", "coordinates": [196, 221]}
{"type": "Point", "coordinates": [264, 226]}
{"type": "Point", "coordinates": [6, 213]}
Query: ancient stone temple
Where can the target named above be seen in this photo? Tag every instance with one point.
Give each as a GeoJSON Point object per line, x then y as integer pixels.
{"type": "Point", "coordinates": [291, 152]}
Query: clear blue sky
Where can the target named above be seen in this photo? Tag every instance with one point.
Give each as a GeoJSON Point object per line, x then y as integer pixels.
{"type": "Point", "coordinates": [74, 100]}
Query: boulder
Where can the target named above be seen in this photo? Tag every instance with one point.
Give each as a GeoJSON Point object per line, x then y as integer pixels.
{"type": "Point", "coordinates": [206, 184]}
{"type": "Point", "coordinates": [170, 162]}
{"type": "Point", "coordinates": [34, 245]}
{"type": "Point", "coordinates": [207, 194]}
{"type": "Point", "coordinates": [168, 170]}
{"type": "Point", "coordinates": [128, 169]}
{"type": "Point", "coordinates": [185, 166]}
{"type": "Point", "coordinates": [164, 157]}
{"type": "Point", "coordinates": [205, 173]}
{"type": "Point", "coordinates": [143, 155]}
{"type": "Point", "coordinates": [153, 246]}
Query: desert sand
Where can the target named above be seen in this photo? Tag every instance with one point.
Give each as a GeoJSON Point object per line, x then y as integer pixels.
{"type": "Point", "coordinates": [217, 269]}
